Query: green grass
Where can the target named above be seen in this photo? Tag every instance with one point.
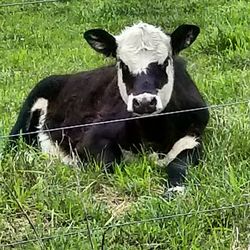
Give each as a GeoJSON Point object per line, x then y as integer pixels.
{"type": "Point", "coordinates": [39, 40]}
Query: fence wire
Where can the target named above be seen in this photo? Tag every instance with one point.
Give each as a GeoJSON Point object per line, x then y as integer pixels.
{"type": "Point", "coordinates": [163, 218]}
{"type": "Point", "coordinates": [25, 214]}
{"type": "Point", "coordinates": [27, 3]}
{"type": "Point", "coordinates": [119, 225]}
{"type": "Point", "coordinates": [89, 231]}
{"type": "Point", "coordinates": [216, 106]}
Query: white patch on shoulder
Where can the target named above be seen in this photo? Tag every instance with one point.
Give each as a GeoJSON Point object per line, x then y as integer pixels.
{"type": "Point", "coordinates": [45, 142]}
{"type": "Point", "coordinates": [40, 104]}
{"type": "Point", "coordinates": [142, 44]}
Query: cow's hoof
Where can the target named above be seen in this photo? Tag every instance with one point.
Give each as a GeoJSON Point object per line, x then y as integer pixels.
{"type": "Point", "coordinates": [172, 192]}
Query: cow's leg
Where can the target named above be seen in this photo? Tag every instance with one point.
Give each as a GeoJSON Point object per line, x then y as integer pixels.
{"type": "Point", "coordinates": [102, 150]}
{"type": "Point", "coordinates": [177, 168]}
{"type": "Point", "coordinates": [186, 151]}
{"type": "Point", "coordinates": [110, 153]}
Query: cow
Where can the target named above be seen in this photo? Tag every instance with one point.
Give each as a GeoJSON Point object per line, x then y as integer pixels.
{"type": "Point", "coordinates": [147, 80]}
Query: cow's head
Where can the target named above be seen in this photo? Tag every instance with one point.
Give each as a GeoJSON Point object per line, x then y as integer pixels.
{"type": "Point", "coordinates": [144, 55]}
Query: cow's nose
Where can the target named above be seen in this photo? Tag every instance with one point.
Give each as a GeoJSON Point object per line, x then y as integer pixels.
{"type": "Point", "coordinates": [144, 106]}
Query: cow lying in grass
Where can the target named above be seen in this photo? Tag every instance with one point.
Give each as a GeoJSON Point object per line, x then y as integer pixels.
{"type": "Point", "coordinates": [148, 78]}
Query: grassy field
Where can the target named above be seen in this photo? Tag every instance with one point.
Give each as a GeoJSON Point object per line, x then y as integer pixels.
{"type": "Point", "coordinates": [41, 197]}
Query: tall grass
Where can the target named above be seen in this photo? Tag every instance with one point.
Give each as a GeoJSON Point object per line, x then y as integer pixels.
{"type": "Point", "coordinates": [39, 40]}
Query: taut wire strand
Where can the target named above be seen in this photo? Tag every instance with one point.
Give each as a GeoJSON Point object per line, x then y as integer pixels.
{"type": "Point", "coordinates": [26, 3]}
{"type": "Point", "coordinates": [128, 119]}
{"type": "Point", "coordinates": [153, 219]}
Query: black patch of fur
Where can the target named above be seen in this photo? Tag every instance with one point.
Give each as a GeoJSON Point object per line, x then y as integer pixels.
{"type": "Point", "coordinates": [27, 122]}
{"type": "Point", "coordinates": [103, 39]}
{"type": "Point", "coordinates": [93, 96]}
{"type": "Point", "coordinates": [183, 37]}
{"type": "Point", "coordinates": [149, 82]}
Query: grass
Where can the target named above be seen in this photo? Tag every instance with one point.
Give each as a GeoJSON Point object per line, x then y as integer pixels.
{"type": "Point", "coordinates": [43, 39]}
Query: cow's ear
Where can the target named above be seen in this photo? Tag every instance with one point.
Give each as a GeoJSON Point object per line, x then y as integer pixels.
{"type": "Point", "coordinates": [183, 37]}
{"type": "Point", "coordinates": [101, 41]}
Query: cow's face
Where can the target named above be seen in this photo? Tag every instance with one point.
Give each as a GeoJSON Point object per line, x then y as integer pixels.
{"type": "Point", "coordinates": [145, 67]}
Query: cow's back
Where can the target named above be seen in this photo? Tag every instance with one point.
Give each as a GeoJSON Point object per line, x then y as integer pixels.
{"type": "Point", "coordinates": [27, 121]}
{"type": "Point", "coordinates": [86, 98]}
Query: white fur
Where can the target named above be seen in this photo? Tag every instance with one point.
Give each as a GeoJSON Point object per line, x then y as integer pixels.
{"type": "Point", "coordinates": [177, 189]}
{"type": "Point", "coordinates": [186, 142]}
{"type": "Point", "coordinates": [122, 85]}
{"type": "Point", "coordinates": [40, 104]}
{"type": "Point", "coordinates": [165, 92]}
{"type": "Point", "coordinates": [146, 96]}
{"type": "Point", "coordinates": [130, 103]}
{"type": "Point", "coordinates": [98, 45]}
{"type": "Point", "coordinates": [95, 43]}
{"type": "Point", "coordinates": [45, 142]}
{"type": "Point", "coordinates": [142, 44]}
{"type": "Point", "coordinates": [137, 47]}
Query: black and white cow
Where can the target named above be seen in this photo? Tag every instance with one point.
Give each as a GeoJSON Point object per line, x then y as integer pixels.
{"type": "Point", "coordinates": [148, 78]}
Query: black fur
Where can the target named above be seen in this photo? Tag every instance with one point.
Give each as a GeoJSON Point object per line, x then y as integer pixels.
{"type": "Point", "coordinates": [149, 82]}
{"type": "Point", "coordinates": [101, 41]}
{"type": "Point", "coordinates": [93, 96]}
{"type": "Point", "coordinates": [26, 122]}
{"type": "Point", "coordinates": [183, 37]}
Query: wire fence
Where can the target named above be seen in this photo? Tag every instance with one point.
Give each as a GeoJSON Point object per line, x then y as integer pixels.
{"type": "Point", "coordinates": [88, 232]}
{"type": "Point", "coordinates": [215, 106]}
{"type": "Point", "coordinates": [27, 3]}
{"type": "Point", "coordinates": [119, 225]}
{"type": "Point", "coordinates": [105, 230]}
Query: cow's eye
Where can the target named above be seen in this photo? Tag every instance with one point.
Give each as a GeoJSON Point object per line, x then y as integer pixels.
{"type": "Point", "coordinates": [124, 67]}
{"type": "Point", "coordinates": [166, 62]}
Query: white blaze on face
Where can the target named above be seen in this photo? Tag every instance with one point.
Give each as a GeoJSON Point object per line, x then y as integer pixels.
{"type": "Point", "coordinates": [166, 91]}
{"type": "Point", "coordinates": [145, 96]}
{"type": "Point", "coordinates": [121, 85]}
{"type": "Point", "coordinates": [137, 47]}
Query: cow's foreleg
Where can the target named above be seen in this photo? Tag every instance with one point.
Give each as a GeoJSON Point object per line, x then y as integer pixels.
{"type": "Point", "coordinates": [186, 151]}
{"type": "Point", "coordinates": [102, 150]}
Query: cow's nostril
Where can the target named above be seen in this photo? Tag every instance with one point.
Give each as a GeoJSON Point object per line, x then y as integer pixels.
{"type": "Point", "coordinates": [136, 103]}
{"type": "Point", "coordinates": [153, 102]}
